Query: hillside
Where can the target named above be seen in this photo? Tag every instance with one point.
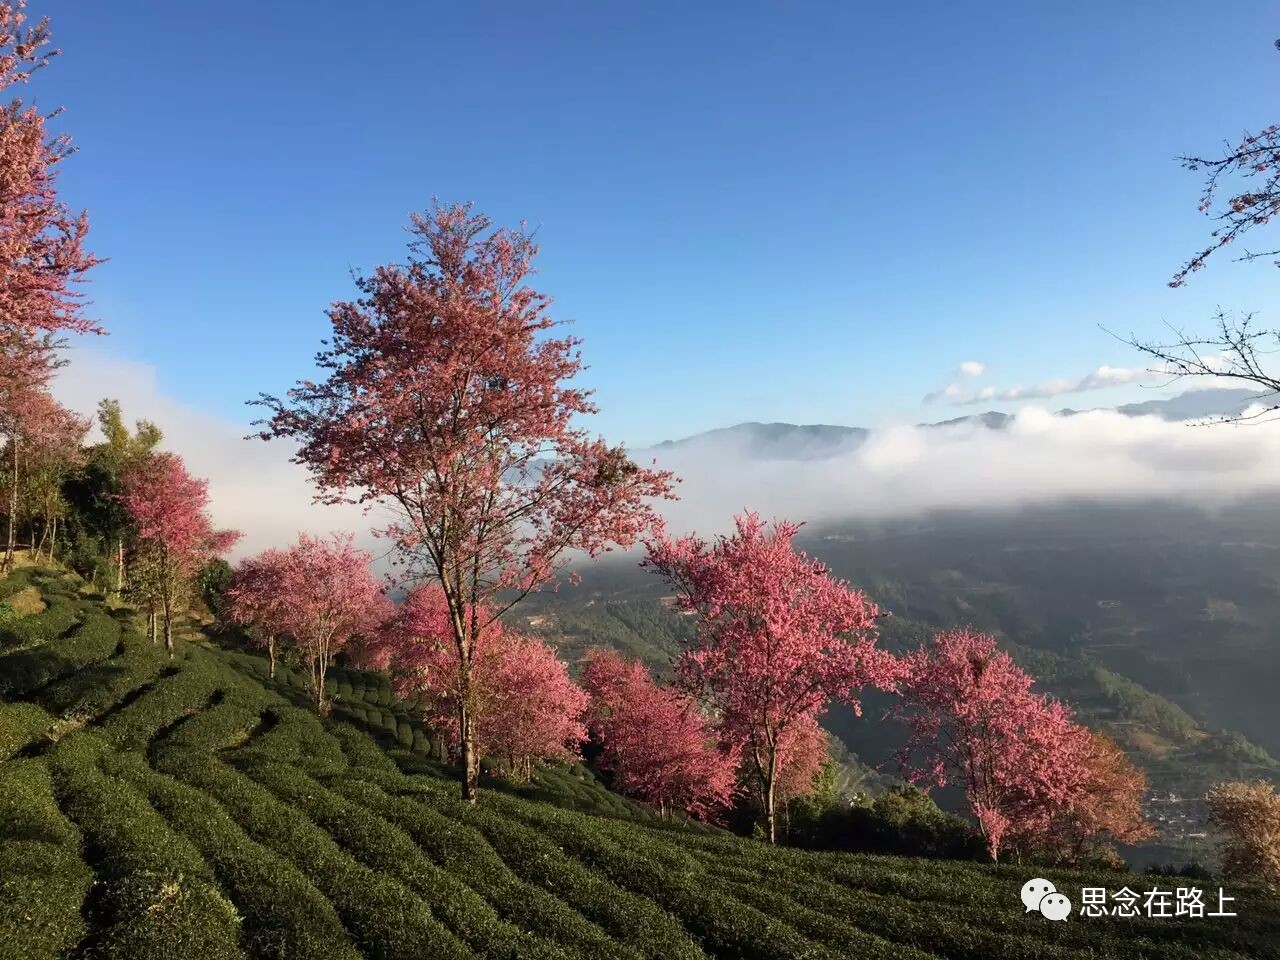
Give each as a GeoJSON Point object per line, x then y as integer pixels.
{"type": "Point", "coordinates": [1153, 620]}
{"type": "Point", "coordinates": [158, 808]}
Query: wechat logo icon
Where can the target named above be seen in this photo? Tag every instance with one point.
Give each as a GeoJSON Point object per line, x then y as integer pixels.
{"type": "Point", "coordinates": [1040, 895]}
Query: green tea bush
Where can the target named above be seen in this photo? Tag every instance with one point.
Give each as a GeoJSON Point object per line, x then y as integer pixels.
{"type": "Point", "coordinates": [158, 896]}
{"type": "Point", "coordinates": [464, 853]}
{"type": "Point", "coordinates": [389, 850]}
{"type": "Point", "coordinates": [61, 614]}
{"type": "Point", "coordinates": [43, 880]}
{"type": "Point", "coordinates": [23, 672]}
{"type": "Point", "coordinates": [663, 873]}
{"type": "Point", "coordinates": [227, 723]}
{"type": "Point", "coordinates": [284, 914]}
{"type": "Point", "coordinates": [404, 733]}
{"type": "Point", "coordinates": [168, 700]}
{"type": "Point", "coordinates": [360, 751]}
{"type": "Point", "coordinates": [385, 920]}
{"type": "Point", "coordinates": [20, 725]}
{"type": "Point", "coordinates": [159, 916]}
{"type": "Point", "coordinates": [296, 735]}
{"type": "Point", "coordinates": [633, 920]}
{"type": "Point", "coordinates": [98, 688]}
{"type": "Point", "coordinates": [17, 581]}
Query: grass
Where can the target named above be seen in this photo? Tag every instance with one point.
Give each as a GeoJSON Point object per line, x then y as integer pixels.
{"type": "Point", "coordinates": [152, 809]}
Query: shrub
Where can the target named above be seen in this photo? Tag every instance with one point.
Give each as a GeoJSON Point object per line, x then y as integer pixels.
{"type": "Point", "coordinates": [389, 850]}
{"type": "Point", "coordinates": [296, 735]}
{"type": "Point", "coordinates": [43, 880]}
{"type": "Point", "coordinates": [60, 616]}
{"type": "Point", "coordinates": [158, 897]}
{"type": "Point", "coordinates": [384, 919]}
{"type": "Point", "coordinates": [96, 689]}
{"type": "Point", "coordinates": [632, 919]}
{"type": "Point", "coordinates": [360, 751]}
{"type": "Point", "coordinates": [21, 724]}
{"type": "Point", "coordinates": [284, 914]}
{"type": "Point", "coordinates": [224, 724]}
{"type": "Point", "coordinates": [167, 701]}
{"type": "Point", "coordinates": [22, 672]}
{"type": "Point", "coordinates": [903, 821]}
{"type": "Point", "coordinates": [464, 853]}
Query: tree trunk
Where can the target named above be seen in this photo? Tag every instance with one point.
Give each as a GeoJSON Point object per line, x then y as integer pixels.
{"type": "Point", "coordinates": [53, 539]}
{"type": "Point", "coordinates": [38, 548]}
{"type": "Point", "coordinates": [271, 655]}
{"type": "Point", "coordinates": [467, 740]}
{"type": "Point", "coordinates": [770, 797]}
{"type": "Point", "coordinates": [319, 667]}
{"type": "Point", "coordinates": [168, 624]}
{"type": "Point", "coordinates": [151, 620]}
{"type": "Point", "coordinates": [13, 507]}
{"type": "Point", "coordinates": [119, 565]}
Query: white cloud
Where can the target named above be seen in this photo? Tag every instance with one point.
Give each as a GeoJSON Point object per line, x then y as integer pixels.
{"type": "Point", "coordinates": [1099, 379]}
{"type": "Point", "coordinates": [1039, 458]}
{"type": "Point", "coordinates": [252, 485]}
{"type": "Point", "coordinates": [969, 368]}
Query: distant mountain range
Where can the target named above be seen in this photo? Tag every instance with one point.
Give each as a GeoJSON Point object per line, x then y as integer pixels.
{"type": "Point", "coordinates": [818, 441]}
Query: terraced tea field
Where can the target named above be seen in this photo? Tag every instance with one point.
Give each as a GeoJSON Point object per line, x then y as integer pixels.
{"type": "Point", "coordinates": [192, 808]}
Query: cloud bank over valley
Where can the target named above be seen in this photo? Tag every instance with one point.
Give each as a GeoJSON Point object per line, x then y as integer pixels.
{"type": "Point", "coordinates": [808, 473]}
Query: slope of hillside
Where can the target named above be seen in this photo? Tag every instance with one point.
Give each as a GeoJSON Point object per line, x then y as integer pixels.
{"type": "Point", "coordinates": [1155, 620]}
{"type": "Point", "coordinates": [189, 808]}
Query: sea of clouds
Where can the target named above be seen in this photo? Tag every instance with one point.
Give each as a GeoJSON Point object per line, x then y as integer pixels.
{"type": "Point", "coordinates": [897, 471]}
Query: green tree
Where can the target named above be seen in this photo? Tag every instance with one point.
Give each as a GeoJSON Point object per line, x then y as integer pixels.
{"type": "Point", "coordinates": [96, 516]}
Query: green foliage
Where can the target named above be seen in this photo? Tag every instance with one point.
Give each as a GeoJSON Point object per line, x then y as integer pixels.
{"type": "Point", "coordinates": [21, 724]}
{"type": "Point", "coordinates": [23, 672]}
{"type": "Point", "coordinates": [158, 899]}
{"type": "Point", "coordinates": [59, 616]}
{"type": "Point", "coordinates": [1142, 706]}
{"type": "Point", "coordinates": [284, 914]}
{"type": "Point", "coordinates": [646, 631]}
{"type": "Point", "coordinates": [98, 688]}
{"type": "Point", "coordinates": [903, 821]}
{"type": "Point", "coordinates": [43, 880]}
{"type": "Point", "coordinates": [212, 585]}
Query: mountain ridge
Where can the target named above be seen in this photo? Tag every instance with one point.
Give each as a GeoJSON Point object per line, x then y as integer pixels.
{"type": "Point", "coordinates": [815, 441]}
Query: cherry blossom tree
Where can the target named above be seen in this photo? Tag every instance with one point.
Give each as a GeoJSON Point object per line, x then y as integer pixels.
{"type": "Point", "coordinates": [655, 741]}
{"type": "Point", "coordinates": [778, 639]}
{"type": "Point", "coordinates": [330, 597]}
{"type": "Point", "coordinates": [1241, 192]}
{"type": "Point", "coordinates": [258, 601]}
{"type": "Point", "coordinates": [974, 719]}
{"type": "Point", "coordinates": [803, 750]}
{"type": "Point", "coordinates": [55, 448]}
{"type": "Point", "coordinates": [173, 534]}
{"type": "Point", "coordinates": [525, 708]}
{"type": "Point", "coordinates": [1108, 807]}
{"type": "Point", "coordinates": [41, 433]}
{"type": "Point", "coordinates": [447, 400]}
{"type": "Point", "coordinates": [534, 709]}
{"type": "Point", "coordinates": [42, 255]}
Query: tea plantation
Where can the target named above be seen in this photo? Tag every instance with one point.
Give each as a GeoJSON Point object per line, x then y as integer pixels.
{"type": "Point", "coordinates": [156, 809]}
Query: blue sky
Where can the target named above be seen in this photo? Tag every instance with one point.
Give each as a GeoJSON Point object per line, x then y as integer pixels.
{"type": "Point", "coordinates": [773, 211]}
